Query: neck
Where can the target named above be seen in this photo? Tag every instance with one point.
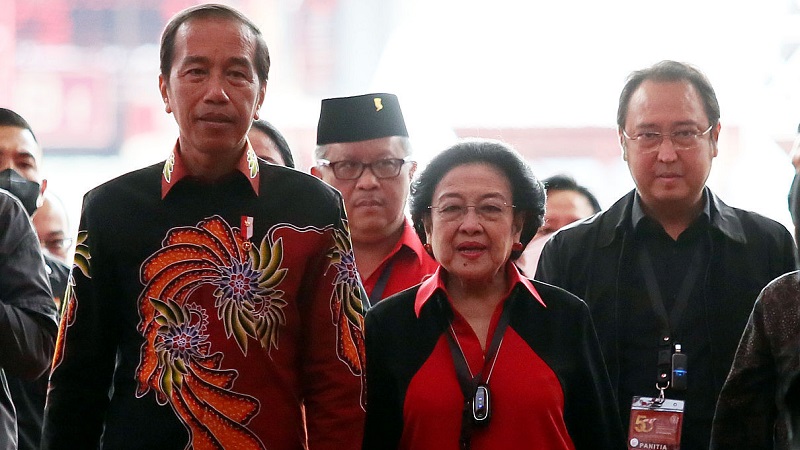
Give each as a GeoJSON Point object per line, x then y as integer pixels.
{"type": "Point", "coordinates": [675, 218]}
{"type": "Point", "coordinates": [476, 302]}
{"type": "Point", "coordinates": [370, 253]}
{"type": "Point", "coordinates": [210, 167]}
{"type": "Point", "coordinates": [479, 296]}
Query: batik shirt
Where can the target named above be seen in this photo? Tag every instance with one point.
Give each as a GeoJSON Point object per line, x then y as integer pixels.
{"type": "Point", "coordinates": [210, 316]}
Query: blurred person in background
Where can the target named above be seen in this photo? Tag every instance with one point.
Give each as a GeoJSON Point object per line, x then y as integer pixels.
{"type": "Point", "coordinates": [214, 301]}
{"type": "Point", "coordinates": [478, 356]}
{"type": "Point", "coordinates": [669, 269]}
{"type": "Point", "coordinates": [52, 227]}
{"type": "Point", "coordinates": [363, 150]}
{"type": "Point", "coordinates": [567, 202]}
{"type": "Point", "coordinates": [20, 160]}
{"type": "Point", "coordinates": [28, 318]}
{"type": "Point", "coordinates": [269, 143]}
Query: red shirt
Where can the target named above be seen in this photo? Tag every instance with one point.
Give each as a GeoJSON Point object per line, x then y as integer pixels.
{"type": "Point", "coordinates": [526, 395]}
{"type": "Point", "coordinates": [408, 263]}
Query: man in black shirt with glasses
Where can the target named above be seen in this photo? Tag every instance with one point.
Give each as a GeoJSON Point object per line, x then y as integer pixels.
{"type": "Point", "coordinates": [670, 272]}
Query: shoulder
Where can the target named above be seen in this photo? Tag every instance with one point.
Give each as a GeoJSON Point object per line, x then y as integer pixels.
{"type": "Point", "coordinates": [15, 224]}
{"type": "Point", "coordinates": [782, 292]}
{"type": "Point", "coordinates": [394, 307]}
{"type": "Point", "coordinates": [750, 223]}
{"type": "Point", "coordinates": [144, 179]}
{"type": "Point", "coordinates": [558, 299]}
{"type": "Point", "coordinates": [11, 210]}
{"type": "Point", "coordinates": [285, 178]}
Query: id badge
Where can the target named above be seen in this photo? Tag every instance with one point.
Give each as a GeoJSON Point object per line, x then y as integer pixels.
{"type": "Point", "coordinates": [655, 426]}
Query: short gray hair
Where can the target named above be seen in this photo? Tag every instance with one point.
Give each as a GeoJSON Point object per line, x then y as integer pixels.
{"type": "Point", "coordinates": [321, 151]}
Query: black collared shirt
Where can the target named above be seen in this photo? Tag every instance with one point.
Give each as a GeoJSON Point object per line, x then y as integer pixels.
{"type": "Point", "coordinates": [641, 330]}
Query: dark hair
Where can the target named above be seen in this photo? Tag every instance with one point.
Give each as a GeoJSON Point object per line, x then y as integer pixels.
{"type": "Point", "coordinates": [526, 190]}
{"type": "Point", "coordinates": [218, 11]}
{"type": "Point", "coordinates": [9, 118]}
{"type": "Point", "coordinates": [276, 136]}
{"type": "Point", "coordinates": [567, 183]}
{"type": "Point", "coordinates": [666, 71]}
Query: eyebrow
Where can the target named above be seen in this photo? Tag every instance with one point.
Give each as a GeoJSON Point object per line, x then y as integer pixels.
{"type": "Point", "coordinates": [675, 124]}
{"type": "Point", "coordinates": [233, 61]}
{"type": "Point", "coordinates": [27, 154]}
{"type": "Point", "coordinates": [456, 195]}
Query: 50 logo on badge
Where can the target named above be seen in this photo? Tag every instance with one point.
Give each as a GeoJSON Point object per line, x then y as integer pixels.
{"type": "Point", "coordinates": [644, 424]}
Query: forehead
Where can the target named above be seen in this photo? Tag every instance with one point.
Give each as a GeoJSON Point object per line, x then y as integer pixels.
{"type": "Point", "coordinates": [473, 180]}
{"type": "Point", "coordinates": [51, 216]}
{"type": "Point", "coordinates": [665, 103]}
{"type": "Point", "coordinates": [214, 38]}
{"type": "Point", "coordinates": [562, 200]}
{"type": "Point", "coordinates": [387, 147]}
{"type": "Point", "coordinates": [18, 141]}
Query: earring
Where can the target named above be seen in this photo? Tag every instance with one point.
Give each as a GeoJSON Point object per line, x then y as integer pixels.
{"type": "Point", "coordinates": [428, 249]}
{"type": "Point", "coordinates": [517, 247]}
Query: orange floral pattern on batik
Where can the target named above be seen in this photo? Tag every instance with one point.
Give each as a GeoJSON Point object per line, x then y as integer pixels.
{"type": "Point", "coordinates": [177, 361]}
{"type": "Point", "coordinates": [347, 307]}
{"type": "Point", "coordinates": [70, 304]}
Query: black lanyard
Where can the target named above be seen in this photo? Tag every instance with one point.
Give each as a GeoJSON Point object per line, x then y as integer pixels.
{"type": "Point", "coordinates": [668, 322]}
{"type": "Point", "coordinates": [471, 384]}
{"type": "Point", "coordinates": [380, 285]}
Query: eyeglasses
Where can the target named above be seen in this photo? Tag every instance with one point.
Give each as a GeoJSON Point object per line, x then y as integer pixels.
{"type": "Point", "coordinates": [56, 245]}
{"type": "Point", "coordinates": [650, 141]}
{"type": "Point", "coordinates": [490, 210]}
{"type": "Point", "coordinates": [352, 170]}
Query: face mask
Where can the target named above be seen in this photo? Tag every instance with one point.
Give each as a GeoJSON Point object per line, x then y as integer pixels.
{"type": "Point", "coordinates": [25, 190]}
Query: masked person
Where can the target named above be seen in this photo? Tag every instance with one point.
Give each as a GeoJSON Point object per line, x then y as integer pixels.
{"type": "Point", "coordinates": [27, 313]}
{"type": "Point", "coordinates": [20, 160]}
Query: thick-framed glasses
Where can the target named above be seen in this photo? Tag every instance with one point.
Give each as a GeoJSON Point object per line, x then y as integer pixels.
{"type": "Point", "coordinates": [683, 139]}
{"type": "Point", "coordinates": [489, 210]}
{"type": "Point", "coordinates": [352, 170]}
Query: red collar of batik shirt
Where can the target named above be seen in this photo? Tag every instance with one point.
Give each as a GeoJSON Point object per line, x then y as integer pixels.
{"type": "Point", "coordinates": [436, 282]}
{"type": "Point", "coordinates": [175, 169]}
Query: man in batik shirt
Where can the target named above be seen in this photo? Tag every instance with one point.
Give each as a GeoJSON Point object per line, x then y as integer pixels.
{"type": "Point", "coordinates": [215, 302]}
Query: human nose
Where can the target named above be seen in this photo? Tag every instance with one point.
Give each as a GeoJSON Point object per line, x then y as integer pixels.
{"type": "Point", "coordinates": [367, 179]}
{"type": "Point", "coordinates": [215, 90]}
{"type": "Point", "coordinates": [666, 151]}
{"type": "Point", "coordinates": [471, 219]}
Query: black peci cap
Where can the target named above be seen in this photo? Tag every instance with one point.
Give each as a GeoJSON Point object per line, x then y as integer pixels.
{"type": "Point", "coordinates": [360, 118]}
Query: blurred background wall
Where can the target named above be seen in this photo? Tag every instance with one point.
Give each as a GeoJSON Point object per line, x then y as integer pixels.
{"type": "Point", "coordinates": [544, 76]}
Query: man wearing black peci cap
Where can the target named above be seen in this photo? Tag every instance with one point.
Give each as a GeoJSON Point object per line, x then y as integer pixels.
{"type": "Point", "coordinates": [363, 151]}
